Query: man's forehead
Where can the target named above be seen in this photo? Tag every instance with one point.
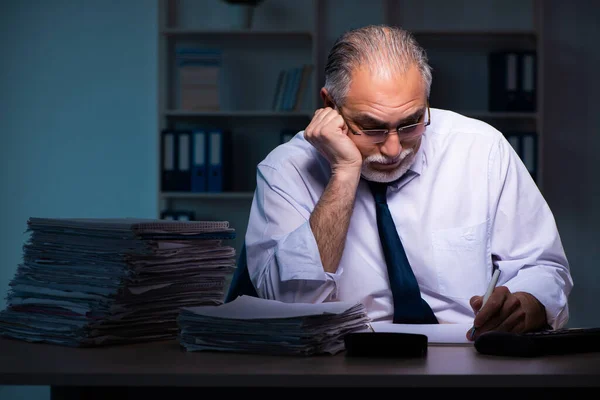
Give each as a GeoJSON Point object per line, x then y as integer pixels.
{"type": "Point", "coordinates": [367, 85]}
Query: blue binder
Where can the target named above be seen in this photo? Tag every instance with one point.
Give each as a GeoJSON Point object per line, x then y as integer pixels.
{"type": "Point", "coordinates": [199, 163]}
{"type": "Point", "coordinates": [215, 181]}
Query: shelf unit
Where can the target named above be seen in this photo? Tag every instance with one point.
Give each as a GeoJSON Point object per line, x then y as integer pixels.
{"type": "Point", "coordinates": [457, 38]}
{"type": "Point", "coordinates": [458, 47]}
{"type": "Point", "coordinates": [251, 60]}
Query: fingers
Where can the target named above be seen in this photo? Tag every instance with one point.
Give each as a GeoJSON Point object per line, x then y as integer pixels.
{"type": "Point", "coordinates": [476, 303]}
{"type": "Point", "coordinates": [506, 318]}
{"type": "Point", "coordinates": [334, 119]}
{"type": "Point", "coordinates": [328, 133]}
{"type": "Point", "coordinates": [322, 118]}
{"type": "Point", "coordinates": [493, 306]}
{"type": "Point", "coordinates": [503, 312]}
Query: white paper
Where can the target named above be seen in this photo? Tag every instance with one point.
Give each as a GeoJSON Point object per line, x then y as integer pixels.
{"type": "Point", "coordinates": [436, 333]}
{"type": "Point", "coordinates": [248, 307]}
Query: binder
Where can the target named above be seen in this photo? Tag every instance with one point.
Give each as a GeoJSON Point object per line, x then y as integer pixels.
{"type": "Point", "coordinates": [527, 93]}
{"type": "Point", "coordinates": [304, 82]}
{"type": "Point", "coordinates": [177, 215]}
{"type": "Point", "coordinates": [219, 160]}
{"type": "Point", "coordinates": [279, 101]}
{"type": "Point", "coordinates": [167, 160]}
{"type": "Point", "coordinates": [199, 169]}
{"type": "Point", "coordinates": [183, 161]}
{"type": "Point", "coordinates": [504, 81]}
{"type": "Point", "coordinates": [526, 147]}
{"type": "Point", "coordinates": [515, 141]}
{"type": "Point", "coordinates": [278, 90]}
{"type": "Point", "coordinates": [529, 153]}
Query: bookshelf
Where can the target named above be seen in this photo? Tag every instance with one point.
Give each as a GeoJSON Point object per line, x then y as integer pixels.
{"type": "Point", "coordinates": [458, 36]}
{"type": "Point", "coordinates": [284, 34]}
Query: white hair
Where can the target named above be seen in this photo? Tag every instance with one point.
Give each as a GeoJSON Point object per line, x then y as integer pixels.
{"type": "Point", "coordinates": [382, 49]}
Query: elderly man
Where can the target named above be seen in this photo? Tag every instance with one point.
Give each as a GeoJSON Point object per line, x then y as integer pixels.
{"type": "Point", "coordinates": [405, 208]}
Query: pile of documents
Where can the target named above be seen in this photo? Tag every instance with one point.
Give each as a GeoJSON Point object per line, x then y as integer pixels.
{"type": "Point", "coordinates": [89, 282]}
{"type": "Point", "coordinates": [253, 325]}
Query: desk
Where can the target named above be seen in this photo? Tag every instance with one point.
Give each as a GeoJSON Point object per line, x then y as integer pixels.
{"type": "Point", "coordinates": [166, 364]}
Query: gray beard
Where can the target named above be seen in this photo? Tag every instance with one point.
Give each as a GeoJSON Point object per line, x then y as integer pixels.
{"type": "Point", "coordinates": [407, 157]}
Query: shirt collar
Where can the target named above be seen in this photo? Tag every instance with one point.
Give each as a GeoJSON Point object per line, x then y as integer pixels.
{"type": "Point", "coordinates": [415, 169]}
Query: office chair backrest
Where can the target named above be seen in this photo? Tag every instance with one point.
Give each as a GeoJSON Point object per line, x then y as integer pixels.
{"type": "Point", "coordinates": [240, 281]}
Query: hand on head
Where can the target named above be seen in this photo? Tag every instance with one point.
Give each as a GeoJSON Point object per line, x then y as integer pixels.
{"type": "Point", "coordinates": [328, 133]}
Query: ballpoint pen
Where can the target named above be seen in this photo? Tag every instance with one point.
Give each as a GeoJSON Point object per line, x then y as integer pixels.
{"type": "Point", "coordinates": [488, 292]}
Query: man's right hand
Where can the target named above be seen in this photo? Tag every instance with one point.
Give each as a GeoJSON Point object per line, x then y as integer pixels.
{"type": "Point", "coordinates": [328, 133]}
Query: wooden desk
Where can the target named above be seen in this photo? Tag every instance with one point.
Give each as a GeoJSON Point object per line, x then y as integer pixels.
{"type": "Point", "coordinates": [166, 365]}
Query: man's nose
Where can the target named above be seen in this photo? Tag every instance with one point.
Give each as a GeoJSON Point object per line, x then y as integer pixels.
{"type": "Point", "coordinates": [391, 147]}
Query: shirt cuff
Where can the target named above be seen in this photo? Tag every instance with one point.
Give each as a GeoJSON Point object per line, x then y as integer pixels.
{"type": "Point", "coordinates": [545, 290]}
{"type": "Point", "coordinates": [298, 257]}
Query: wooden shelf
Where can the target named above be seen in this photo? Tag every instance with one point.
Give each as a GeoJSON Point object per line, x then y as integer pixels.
{"type": "Point", "coordinates": [474, 33]}
{"type": "Point", "coordinates": [239, 114]}
{"type": "Point", "coordinates": [237, 33]}
{"type": "Point", "coordinates": [208, 195]}
{"type": "Point", "coordinates": [499, 114]}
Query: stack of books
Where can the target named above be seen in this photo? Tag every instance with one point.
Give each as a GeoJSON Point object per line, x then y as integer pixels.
{"type": "Point", "coordinates": [198, 74]}
{"type": "Point", "coordinates": [90, 282]}
{"type": "Point", "coordinates": [262, 326]}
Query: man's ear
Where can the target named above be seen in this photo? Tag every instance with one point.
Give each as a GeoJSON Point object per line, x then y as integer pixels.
{"type": "Point", "coordinates": [326, 98]}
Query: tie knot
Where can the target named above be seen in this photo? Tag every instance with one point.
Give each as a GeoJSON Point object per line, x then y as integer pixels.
{"type": "Point", "coordinates": [379, 191]}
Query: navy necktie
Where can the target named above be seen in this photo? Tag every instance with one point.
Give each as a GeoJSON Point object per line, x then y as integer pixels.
{"type": "Point", "coordinates": [409, 307]}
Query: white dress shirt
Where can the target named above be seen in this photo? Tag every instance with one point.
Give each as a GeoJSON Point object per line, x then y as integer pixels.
{"type": "Point", "coordinates": [467, 203]}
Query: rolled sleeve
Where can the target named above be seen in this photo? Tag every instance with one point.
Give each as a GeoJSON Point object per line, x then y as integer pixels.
{"type": "Point", "coordinates": [283, 260]}
{"type": "Point", "coordinates": [526, 241]}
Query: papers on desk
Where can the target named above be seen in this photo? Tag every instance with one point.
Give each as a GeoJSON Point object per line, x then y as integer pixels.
{"type": "Point", "coordinates": [87, 282]}
{"type": "Point", "coordinates": [252, 325]}
{"type": "Point", "coordinates": [436, 333]}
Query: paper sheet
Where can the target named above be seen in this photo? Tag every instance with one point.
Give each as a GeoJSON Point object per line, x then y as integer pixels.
{"type": "Point", "coordinates": [436, 333]}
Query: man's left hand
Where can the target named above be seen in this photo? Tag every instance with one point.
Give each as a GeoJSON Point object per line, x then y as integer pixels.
{"type": "Point", "coordinates": [508, 312]}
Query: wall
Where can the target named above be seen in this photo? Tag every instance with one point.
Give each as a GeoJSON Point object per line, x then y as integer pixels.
{"type": "Point", "coordinates": [572, 142]}
{"type": "Point", "coordinates": [78, 123]}
{"type": "Point", "coordinates": [77, 118]}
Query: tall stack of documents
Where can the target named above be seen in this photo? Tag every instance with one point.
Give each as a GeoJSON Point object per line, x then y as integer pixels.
{"type": "Point", "coordinates": [89, 282]}
{"type": "Point", "coordinates": [253, 325]}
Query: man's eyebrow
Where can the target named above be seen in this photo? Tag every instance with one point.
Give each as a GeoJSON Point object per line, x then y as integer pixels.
{"type": "Point", "coordinates": [370, 121]}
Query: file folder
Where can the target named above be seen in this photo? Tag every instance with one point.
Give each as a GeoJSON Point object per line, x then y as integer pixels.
{"type": "Point", "coordinates": [504, 81]}
{"type": "Point", "coordinates": [177, 215]}
{"type": "Point", "coordinates": [528, 66]}
{"type": "Point", "coordinates": [219, 160]}
{"type": "Point", "coordinates": [199, 168]}
{"type": "Point", "coordinates": [183, 161]}
{"type": "Point", "coordinates": [168, 156]}
{"type": "Point", "coordinates": [515, 141]}
{"type": "Point", "coordinates": [529, 149]}
{"type": "Point", "coordinates": [526, 147]}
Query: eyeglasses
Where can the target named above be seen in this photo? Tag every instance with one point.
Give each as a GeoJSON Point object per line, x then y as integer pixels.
{"type": "Point", "coordinates": [405, 133]}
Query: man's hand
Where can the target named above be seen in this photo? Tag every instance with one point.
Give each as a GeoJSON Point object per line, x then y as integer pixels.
{"type": "Point", "coordinates": [508, 312]}
{"type": "Point", "coordinates": [328, 133]}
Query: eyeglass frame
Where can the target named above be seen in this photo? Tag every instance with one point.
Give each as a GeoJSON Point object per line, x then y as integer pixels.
{"type": "Point", "coordinates": [397, 129]}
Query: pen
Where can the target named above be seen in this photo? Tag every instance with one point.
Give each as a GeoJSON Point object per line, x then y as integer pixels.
{"type": "Point", "coordinates": [488, 293]}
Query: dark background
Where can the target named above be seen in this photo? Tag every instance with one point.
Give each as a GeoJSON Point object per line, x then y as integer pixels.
{"type": "Point", "coordinates": [83, 89]}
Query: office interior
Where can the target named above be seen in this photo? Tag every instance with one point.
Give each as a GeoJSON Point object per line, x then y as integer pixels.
{"type": "Point", "coordinates": [86, 88]}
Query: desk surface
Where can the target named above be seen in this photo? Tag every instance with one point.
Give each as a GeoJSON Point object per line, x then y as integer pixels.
{"type": "Point", "coordinates": [167, 364]}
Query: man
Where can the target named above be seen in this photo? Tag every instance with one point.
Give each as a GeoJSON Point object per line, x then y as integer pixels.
{"type": "Point", "coordinates": [461, 201]}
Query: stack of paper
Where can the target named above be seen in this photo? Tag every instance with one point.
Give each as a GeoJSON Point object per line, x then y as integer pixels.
{"type": "Point", "coordinates": [86, 282]}
{"type": "Point", "coordinates": [253, 325]}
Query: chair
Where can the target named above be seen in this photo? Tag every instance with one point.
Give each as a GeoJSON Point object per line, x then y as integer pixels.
{"type": "Point", "coordinates": [240, 281]}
